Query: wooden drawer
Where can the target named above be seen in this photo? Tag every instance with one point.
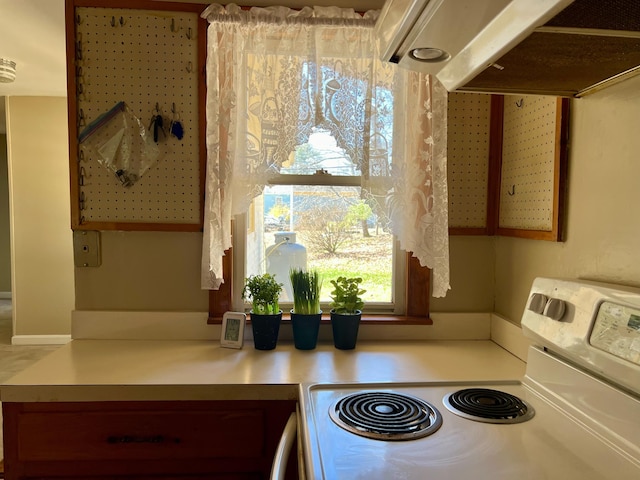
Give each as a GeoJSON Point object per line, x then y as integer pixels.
{"type": "Point", "coordinates": [160, 434]}
{"type": "Point", "coordinates": [146, 440]}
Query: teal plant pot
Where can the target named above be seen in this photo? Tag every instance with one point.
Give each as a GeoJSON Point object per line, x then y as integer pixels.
{"type": "Point", "coordinates": [305, 330]}
{"type": "Point", "coordinates": [345, 329]}
{"type": "Point", "coordinates": [265, 329]}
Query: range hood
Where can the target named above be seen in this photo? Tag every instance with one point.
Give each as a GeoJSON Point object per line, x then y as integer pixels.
{"type": "Point", "coordinates": [541, 47]}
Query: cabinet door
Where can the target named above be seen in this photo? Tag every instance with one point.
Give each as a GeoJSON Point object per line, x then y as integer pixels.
{"type": "Point", "coordinates": [507, 160]}
{"type": "Point", "coordinates": [130, 64]}
{"type": "Point", "coordinates": [533, 167]}
{"type": "Point", "coordinates": [213, 476]}
{"type": "Point", "coordinates": [471, 151]}
{"type": "Point", "coordinates": [191, 439]}
{"type": "Point", "coordinates": [132, 435]}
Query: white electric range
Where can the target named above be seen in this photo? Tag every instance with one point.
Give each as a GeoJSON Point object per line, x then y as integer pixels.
{"type": "Point", "coordinates": [575, 414]}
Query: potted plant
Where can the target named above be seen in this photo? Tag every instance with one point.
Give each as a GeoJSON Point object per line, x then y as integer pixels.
{"type": "Point", "coordinates": [346, 311]}
{"type": "Point", "coordinates": [263, 291]}
{"type": "Point", "coordinates": [306, 313]}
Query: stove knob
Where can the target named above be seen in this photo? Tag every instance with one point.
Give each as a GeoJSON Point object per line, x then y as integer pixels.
{"type": "Point", "coordinates": [537, 303]}
{"type": "Point", "coordinates": [555, 309]}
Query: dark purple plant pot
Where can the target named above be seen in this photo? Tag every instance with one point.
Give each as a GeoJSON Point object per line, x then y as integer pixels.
{"type": "Point", "coordinates": [345, 329]}
{"type": "Point", "coordinates": [305, 330]}
{"type": "Point", "coordinates": [265, 329]}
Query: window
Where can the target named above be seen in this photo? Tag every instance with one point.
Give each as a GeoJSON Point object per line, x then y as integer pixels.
{"type": "Point", "coordinates": [314, 214]}
{"type": "Point", "coordinates": [307, 132]}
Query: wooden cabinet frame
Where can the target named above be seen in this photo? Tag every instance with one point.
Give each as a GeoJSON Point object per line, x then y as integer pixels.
{"type": "Point", "coordinates": [77, 221]}
{"type": "Point", "coordinates": [560, 160]}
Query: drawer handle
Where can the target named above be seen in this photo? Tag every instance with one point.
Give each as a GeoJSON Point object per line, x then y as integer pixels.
{"type": "Point", "coordinates": [112, 439]}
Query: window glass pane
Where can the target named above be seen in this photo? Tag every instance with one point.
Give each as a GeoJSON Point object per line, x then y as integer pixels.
{"type": "Point", "coordinates": [320, 153]}
{"type": "Point", "coordinates": [328, 228]}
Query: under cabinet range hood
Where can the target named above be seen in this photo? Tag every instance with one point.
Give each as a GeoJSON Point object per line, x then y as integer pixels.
{"type": "Point", "coordinates": [541, 47]}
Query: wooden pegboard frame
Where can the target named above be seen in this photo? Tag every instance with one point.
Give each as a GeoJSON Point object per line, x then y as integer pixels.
{"type": "Point", "coordinates": [146, 54]}
{"type": "Point", "coordinates": [468, 146]}
{"type": "Point", "coordinates": [474, 150]}
{"type": "Point", "coordinates": [533, 170]}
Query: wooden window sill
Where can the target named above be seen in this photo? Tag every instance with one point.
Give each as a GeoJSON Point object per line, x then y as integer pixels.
{"type": "Point", "coordinates": [416, 300]}
{"type": "Point", "coordinates": [367, 319]}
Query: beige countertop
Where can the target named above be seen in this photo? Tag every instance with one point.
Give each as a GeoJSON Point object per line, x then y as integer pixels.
{"type": "Point", "coordinates": [95, 370]}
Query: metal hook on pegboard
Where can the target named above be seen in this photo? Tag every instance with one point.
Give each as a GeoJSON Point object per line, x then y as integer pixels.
{"type": "Point", "coordinates": [189, 67]}
{"type": "Point", "coordinates": [520, 103]}
{"type": "Point", "coordinates": [157, 124]}
{"type": "Point", "coordinates": [189, 33]}
{"type": "Point", "coordinates": [175, 126]}
{"type": "Point", "coordinates": [82, 176]}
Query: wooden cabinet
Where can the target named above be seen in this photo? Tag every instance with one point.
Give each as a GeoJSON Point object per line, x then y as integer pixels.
{"type": "Point", "coordinates": [193, 439]}
{"type": "Point", "coordinates": [507, 162]}
{"type": "Point", "coordinates": [150, 56]}
{"type": "Point", "coordinates": [533, 167]}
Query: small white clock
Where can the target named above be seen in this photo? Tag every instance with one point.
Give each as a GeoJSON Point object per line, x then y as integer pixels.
{"type": "Point", "coordinates": [233, 329]}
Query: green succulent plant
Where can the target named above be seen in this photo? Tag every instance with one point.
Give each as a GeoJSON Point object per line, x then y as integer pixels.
{"type": "Point", "coordinates": [346, 295]}
{"type": "Point", "coordinates": [263, 291]}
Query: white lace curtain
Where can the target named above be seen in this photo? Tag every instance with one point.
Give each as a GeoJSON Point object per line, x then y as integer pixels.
{"type": "Point", "coordinates": [273, 75]}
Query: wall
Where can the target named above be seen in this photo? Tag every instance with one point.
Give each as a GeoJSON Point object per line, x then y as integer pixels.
{"type": "Point", "coordinates": [154, 271]}
{"type": "Point", "coordinates": [487, 273]}
{"type": "Point", "coordinates": [159, 271]}
{"type": "Point", "coordinates": [603, 227]}
{"type": "Point", "coordinates": [471, 261]}
{"type": "Point", "coordinates": [41, 238]}
{"type": "Point", "coordinates": [5, 249]}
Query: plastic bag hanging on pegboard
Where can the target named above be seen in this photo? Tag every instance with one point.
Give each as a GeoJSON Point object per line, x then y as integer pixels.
{"type": "Point", "coordinates": [119, 141]}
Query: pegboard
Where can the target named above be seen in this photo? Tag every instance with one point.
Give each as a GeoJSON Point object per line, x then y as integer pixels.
{"type": "Point", "coordinates": [150, 60]}
{"type": "Point", "coordinates": [468, 142]}
{"type": "Point", "coordinates": [528, 176]}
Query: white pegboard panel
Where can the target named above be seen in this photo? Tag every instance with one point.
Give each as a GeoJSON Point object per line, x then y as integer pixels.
{"type": "Point", "coordinates": [468, 130]}
{"type": "Point", "coordinates": [528, 163]}
{"type": "Point", "coordinates": [146, 59]}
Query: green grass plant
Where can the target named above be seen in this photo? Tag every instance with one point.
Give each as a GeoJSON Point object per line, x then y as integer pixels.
{"type": "Point", "coordinates": [306, 285]}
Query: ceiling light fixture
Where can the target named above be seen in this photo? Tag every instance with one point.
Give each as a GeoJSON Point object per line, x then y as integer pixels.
{"type": "Point", "coordinates": [429, 55]}
{"type": "Point", "coordinates": [7, 70]}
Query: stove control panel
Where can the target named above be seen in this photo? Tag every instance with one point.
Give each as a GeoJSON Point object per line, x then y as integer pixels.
{"type": "Point", "coordinates": [537, 302]}
{"type": "Point", "coordinates": [617, 331]}
{"type": "Point", "coordinates": [595, 325]}
{"type": "Point", "coordinates": [549, 307]}
{"type": "Point", "coordinates": [554, 309]}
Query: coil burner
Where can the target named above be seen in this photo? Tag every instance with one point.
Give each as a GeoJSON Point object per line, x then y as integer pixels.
{"type": "Point", "coordinates": [489, 406]}
{"type": "Point", "coordinates": [385, 416]}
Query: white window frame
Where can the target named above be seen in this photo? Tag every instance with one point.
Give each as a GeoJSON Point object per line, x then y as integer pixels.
{"type": "Point", "coordinates": [396, 307]}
